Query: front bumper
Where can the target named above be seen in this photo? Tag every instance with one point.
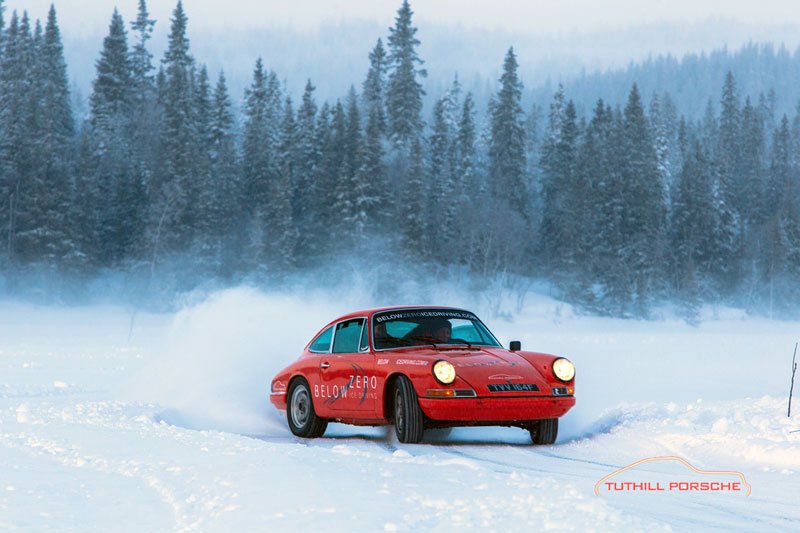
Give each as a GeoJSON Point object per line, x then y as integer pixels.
{"type": "Point", "coordinates": [504, 409]}
{"type": "Point", "coordinates": [278, 399]}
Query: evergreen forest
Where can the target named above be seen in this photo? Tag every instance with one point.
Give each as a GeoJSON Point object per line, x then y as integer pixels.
{"type": "Point", "coordinates": [170, 183]}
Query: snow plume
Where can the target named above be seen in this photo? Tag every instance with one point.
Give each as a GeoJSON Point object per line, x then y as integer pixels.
{"type": "Point", "coordinates": [219, 358]}
{"type": "Point", "coordinates": [220, 353]}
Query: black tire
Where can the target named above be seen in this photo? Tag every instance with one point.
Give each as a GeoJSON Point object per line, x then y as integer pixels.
{"type": "Point", "coordinates": [544, 431]}
{"type": "Point", "coordinates": [300, 414]}
{"type": "Point", "coordinates": [408, 418]}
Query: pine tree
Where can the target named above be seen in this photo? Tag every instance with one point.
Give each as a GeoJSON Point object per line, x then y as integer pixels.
{"type": "Point", "coordinates": [404, 93]}
{"type": "Point", "coordinates": [375, 88]}
{"type": "Point", "coordinates": [730, 183]}
{"type": "Point", "coordinates": [507, 162]}
{"type": "Point", "coordinates": [559, 158]}
{"type": "Point", "coordinates": [111, 186]}
{"type": "Point", "coordinates": [414, 238]}
{"type": "Point", "coordinates": [781, 252]}
{"type": "Point", "coordinates": [258, 161]}
{"type": "Point", "coordinates": [348, 200]}
{"type": "Point", "coordinates": [141, 58]}
{"type": "Point", "coordinates": [173, 193]}
{"type": "Point", "coordinates": [204, 202]}
{"type": "Point", "coordinates": [439, 176]}
{"type": "Point", "coordinates": [306, 153]}
{"type": "Point", "coordinates": [16, 152]}
{"type": "Point", "coordinates": [693, 228]}
{"type": "Point", "coordinates": [43, 230]}
{"type": "Point", "coordinates": [280, 228]}
{"type": "Point", "coordinates": [228, 221]}
{"type": "Point", "coordinates": [590, 222]}
{"type": "Point", "coordinates": [147, 115]}
{"type": "Point", "coordinates": [643, 214]}
{"type": "Point", "coordinates": [111, 91]}
{"type": "Point", "coordinates": [465, 147]}
{"type": "Point", "coordinates": [371, 175]}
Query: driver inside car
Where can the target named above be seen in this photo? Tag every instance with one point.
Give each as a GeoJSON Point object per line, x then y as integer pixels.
{"type": "Point", "coordinates": [442, 330]}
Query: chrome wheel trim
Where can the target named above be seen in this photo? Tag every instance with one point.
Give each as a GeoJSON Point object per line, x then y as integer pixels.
{"type": "Point", "coordinates": [301, 406]}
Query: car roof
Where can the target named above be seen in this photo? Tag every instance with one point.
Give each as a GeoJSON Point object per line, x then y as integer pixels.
{"type": "Point", "coordinates": [370, 312]}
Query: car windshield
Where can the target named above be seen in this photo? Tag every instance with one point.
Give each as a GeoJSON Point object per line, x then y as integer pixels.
{"type": "Point", "coordinates": [428, 327]}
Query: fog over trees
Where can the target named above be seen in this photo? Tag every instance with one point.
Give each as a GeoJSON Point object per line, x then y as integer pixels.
{"type": "Point", "coordinates": [683, 191]}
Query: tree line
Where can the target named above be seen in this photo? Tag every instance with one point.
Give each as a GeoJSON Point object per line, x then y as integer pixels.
{"type": "Point", "coordinates": [621, 210]}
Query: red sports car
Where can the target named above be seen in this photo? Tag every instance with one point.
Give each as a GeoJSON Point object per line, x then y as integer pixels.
{"type": "Point", "coordinates": [418, 368]}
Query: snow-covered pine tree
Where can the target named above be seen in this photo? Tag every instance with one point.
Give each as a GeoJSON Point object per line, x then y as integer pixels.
{"type": "Point", "coordinates": [731, 187]}
{"type": "Point", "coordinates": [44, 225]}
{"type": "Point", "coordinates": [439, 177]}
{"type": "Point", "coordinates": [507, 164]}
{"type": "Point", "coordinates": [465, 148]}
{"type": "Point", "coordinates": [559, 154]}
{"type": "Point", "coordinates": [414, 237]}
{"type": "Point", "coordinates": [204, 198]}
{"type": "Point", "coordinates": [643, 213]}
{"type": "Point", "coordinates": [693, 228]}
{"type": "Point", "coordinates": [753, 171]}
{"type": "Point", "coordinates": [371, 174]}
{"type": "Point", "coordinates": [258, 162]}
{"type": "Point", "coordinates": [306, 153]}
{"type": "Point", "coordinates": [15, 135]}
{"type": "Point", "coordinates": [781, 238]}
{"type": "Point", "coordinates": [147, 114]}
{"type": "Point", "coordinates": [589, 202]}
{"type": "Point", "coordinates": [348, 193]}
{"type": "Point", "coordinates": [110, 101]}
{"type": "Point", "coordinates": [141, 58]}
{"type": "Point", "coordinates": [374, 89]}
{"type": "Point", "coordinates": [279, 226]}
{"type": "Point", "coordinates": [404, 92]}
{"type": "Point", "coordinates": [116, 201]}
{"type": "Point", "coordinates": [229, 221]}
{"type": "Point", "coordinates": [171, 222]}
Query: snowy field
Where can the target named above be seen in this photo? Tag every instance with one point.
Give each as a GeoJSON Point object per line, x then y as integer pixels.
{"type": "Point", "coordinates": [120, 421]}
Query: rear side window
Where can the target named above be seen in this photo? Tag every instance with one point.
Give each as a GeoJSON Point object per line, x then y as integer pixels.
{"type": "Point", "coordinates": [348, 333]}
{"type": "Point", "coordinates": [322, 344]}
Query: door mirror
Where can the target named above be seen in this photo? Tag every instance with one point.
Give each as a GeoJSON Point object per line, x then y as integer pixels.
{"type": "Point", "coordinates": [515, 346]}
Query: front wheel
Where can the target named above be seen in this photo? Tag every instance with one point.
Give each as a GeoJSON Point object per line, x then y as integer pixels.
{"type": "Point", "coordinates": [544, 431]}
{"type": "Point", "coordinates": [408, 419]}
{"type": "Point", "coordinates": [303, 420]}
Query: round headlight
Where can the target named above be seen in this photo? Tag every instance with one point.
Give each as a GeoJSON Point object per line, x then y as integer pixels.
{"type": "Point", "coordinates": [444, 372]}
{"type": "Point", "coordinates": [563, 369]}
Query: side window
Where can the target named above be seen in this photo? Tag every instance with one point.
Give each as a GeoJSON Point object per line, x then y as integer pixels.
{"type": "Point", "coordinates": [322, 344]}
{"type": "Point", "coordinates": [347, 336]}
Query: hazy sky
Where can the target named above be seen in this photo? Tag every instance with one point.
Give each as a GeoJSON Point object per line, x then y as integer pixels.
{"type": "Point", "coordinates": [542, 16]}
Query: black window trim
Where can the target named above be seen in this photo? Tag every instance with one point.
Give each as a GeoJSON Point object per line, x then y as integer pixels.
{"type": "Point", "coordinates": [333, 337]}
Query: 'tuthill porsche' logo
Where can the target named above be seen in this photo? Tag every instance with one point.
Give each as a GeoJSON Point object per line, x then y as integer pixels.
{"type": "Point", "coordinates": [504, 377]}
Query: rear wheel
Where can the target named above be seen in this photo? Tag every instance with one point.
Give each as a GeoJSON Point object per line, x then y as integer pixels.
{"type": "Point", "coordinates": [303, 420]}
{"type": "Point", "coordinates": [408, 419]}
{"type": "Point", "coordinates": [544, 431]}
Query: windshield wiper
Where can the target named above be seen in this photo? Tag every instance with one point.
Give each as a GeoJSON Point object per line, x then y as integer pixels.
{"type": "Point", "coordinates": [462, 341]}
{"type": "Point", "coordinates": [426, 340]}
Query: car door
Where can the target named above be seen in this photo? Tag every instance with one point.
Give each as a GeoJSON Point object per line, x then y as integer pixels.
{"type": "Point", "coordinates": [347, 375]}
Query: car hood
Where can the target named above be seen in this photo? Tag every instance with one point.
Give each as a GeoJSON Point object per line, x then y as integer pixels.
{"type": "Point", "coordinates": [509, 372]}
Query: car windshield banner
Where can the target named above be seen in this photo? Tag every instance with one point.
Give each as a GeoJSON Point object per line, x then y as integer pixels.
{"type": "Point", "coordinates": [424, 313]}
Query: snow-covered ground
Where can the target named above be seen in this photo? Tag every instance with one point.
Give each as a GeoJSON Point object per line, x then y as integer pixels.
{"type": "Point", "coordinates": [119, 421]}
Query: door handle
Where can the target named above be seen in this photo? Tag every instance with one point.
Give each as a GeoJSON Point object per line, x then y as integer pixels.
{"type": "Point", "coordinates": [324, 364]}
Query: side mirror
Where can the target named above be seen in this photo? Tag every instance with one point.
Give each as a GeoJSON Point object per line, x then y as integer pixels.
{"type": "Point", "coordinates": [515, 346]}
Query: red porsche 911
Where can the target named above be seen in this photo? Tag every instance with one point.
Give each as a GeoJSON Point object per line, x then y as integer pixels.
{"type": "Point", "coordinates": [420, 368]}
